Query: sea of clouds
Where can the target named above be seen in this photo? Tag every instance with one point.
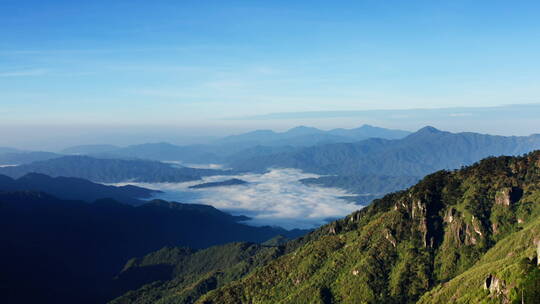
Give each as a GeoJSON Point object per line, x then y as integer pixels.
{"type": "Point", "coordinates": [275, 198]}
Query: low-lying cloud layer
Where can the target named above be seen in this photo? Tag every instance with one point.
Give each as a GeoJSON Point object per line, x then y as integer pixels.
{"type": "Point", "coordinates": [274, 198]}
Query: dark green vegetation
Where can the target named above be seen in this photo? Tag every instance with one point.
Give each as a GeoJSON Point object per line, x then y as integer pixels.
{"type": "Point", "coordinates": [465, 236]}
{"type": "Point", "coordinates": [71, 188]}
{"type": "Point", "coordinates": [229, 182]}
{"type": "Point", "coordinates": [111, 170]}
{"type": "Point", "coordinates": [181, 275]}
{"type": "Point", "coordinates": [59, 251]}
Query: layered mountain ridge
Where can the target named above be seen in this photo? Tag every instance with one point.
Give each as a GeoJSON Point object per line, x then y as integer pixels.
{"type": "Point", "coordinates": [71, 188]}
{"type": "Point", "coordinates": [111, 170]}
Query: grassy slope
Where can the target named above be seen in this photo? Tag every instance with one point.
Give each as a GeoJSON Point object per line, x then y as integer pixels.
{"type": "Point", "coordinates": [178, 275]}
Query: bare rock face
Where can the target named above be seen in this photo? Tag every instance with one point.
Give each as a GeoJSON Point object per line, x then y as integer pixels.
{"type": "Point", "coordinates": [497, 288]}
{"type": "Point", "coordinates": [473, 232]}
{"type": "Point", "coordinates": [537, 245]}
{"type": "Point", "coordinates": [390, 237]}
{"type": "Point", "coordinates": [495, 228]}
{"type": "Point", "coordinates": [503, 197]}
{"type": "Point", "coordinates": [418, 211]}
{"type": "Point", "coordinates": [332, 229]}
{"type": "Point", "coordinates": [507, 196]}
{"type": "Point", "coordinates": [536, 162]}
{"type": "Point", "coordinates": [456, 230]}
{"type": "Point", "coordinates": [459, 230]}
{"type": "Point", "coordinates": [450, 215]}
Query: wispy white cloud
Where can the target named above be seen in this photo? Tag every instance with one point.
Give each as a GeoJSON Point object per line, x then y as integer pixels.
{"type": "Point", "coordinates": [24, 73]}
{"type": "Point", "coordinates": [275, 198]}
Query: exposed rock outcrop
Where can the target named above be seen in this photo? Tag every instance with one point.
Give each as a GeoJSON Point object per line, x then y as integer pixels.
{"type": "Point", "coordinates": [537, 245]}
{"type": "Point", "coordinates": [497, 288]}
{"type": "Point", "coordinates": [508, 196]}
{"type": "Point", "coordinates": [388, 235]}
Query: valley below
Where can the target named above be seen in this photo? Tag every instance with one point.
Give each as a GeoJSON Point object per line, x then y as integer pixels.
{"type": "Point", "coordinates": [275, 198]}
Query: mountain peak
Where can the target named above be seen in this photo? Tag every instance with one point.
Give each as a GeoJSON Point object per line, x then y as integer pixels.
{"type": "Point", "coordinates": [429, 129]}
{"type": "Point", "coordinates": [367, 127]}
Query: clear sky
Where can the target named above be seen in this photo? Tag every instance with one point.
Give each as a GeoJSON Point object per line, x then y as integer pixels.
{"type": "Point", "coordinates": [201, 63]}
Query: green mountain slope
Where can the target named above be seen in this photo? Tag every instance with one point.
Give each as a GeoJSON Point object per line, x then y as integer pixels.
{"type": "Point", "coordinates": [180, 275]}
{"type": "Point", "coordinates": [437, 242]}
{"type": "Point", "coordinates": [507, 273]}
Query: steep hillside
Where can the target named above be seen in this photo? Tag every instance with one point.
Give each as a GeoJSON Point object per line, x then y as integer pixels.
{"type": "Point", "coordinates": [182, 275]}
{"type": "Point", "coordinates": [507, 273]}
{"type": "Point", "coordinates": [448, 235]}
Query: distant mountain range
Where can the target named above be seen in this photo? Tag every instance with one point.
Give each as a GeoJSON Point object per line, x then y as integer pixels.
{"type": "Point", "coordinates": [89, 149]}
{"type": "Point", "coordinates": [384, 152]}
{"type": "Point", "coordinates": [164, 152]}
{"type": "Point", "coordinates": [418, 154]}
{"type": "Point", "coordinates": [307, 136]}
{"type": "Point", "coordinates": [59, 251]}
{"type": "Point", "coordinates": [374, 165]}
{"type": "Point", "coordinates": [218, 150]}
{"type": "Point", "coordinates": [70, 188]}
{"type": "Point", "coordinates": [23, 157]}
{"type": "Point", "coordinates": [406, 159]}
{"type": "Point", "coordinates": [111, 170]}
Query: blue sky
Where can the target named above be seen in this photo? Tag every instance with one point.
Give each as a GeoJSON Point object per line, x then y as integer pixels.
{"type": "Point", "coordinates": [197, 64]}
